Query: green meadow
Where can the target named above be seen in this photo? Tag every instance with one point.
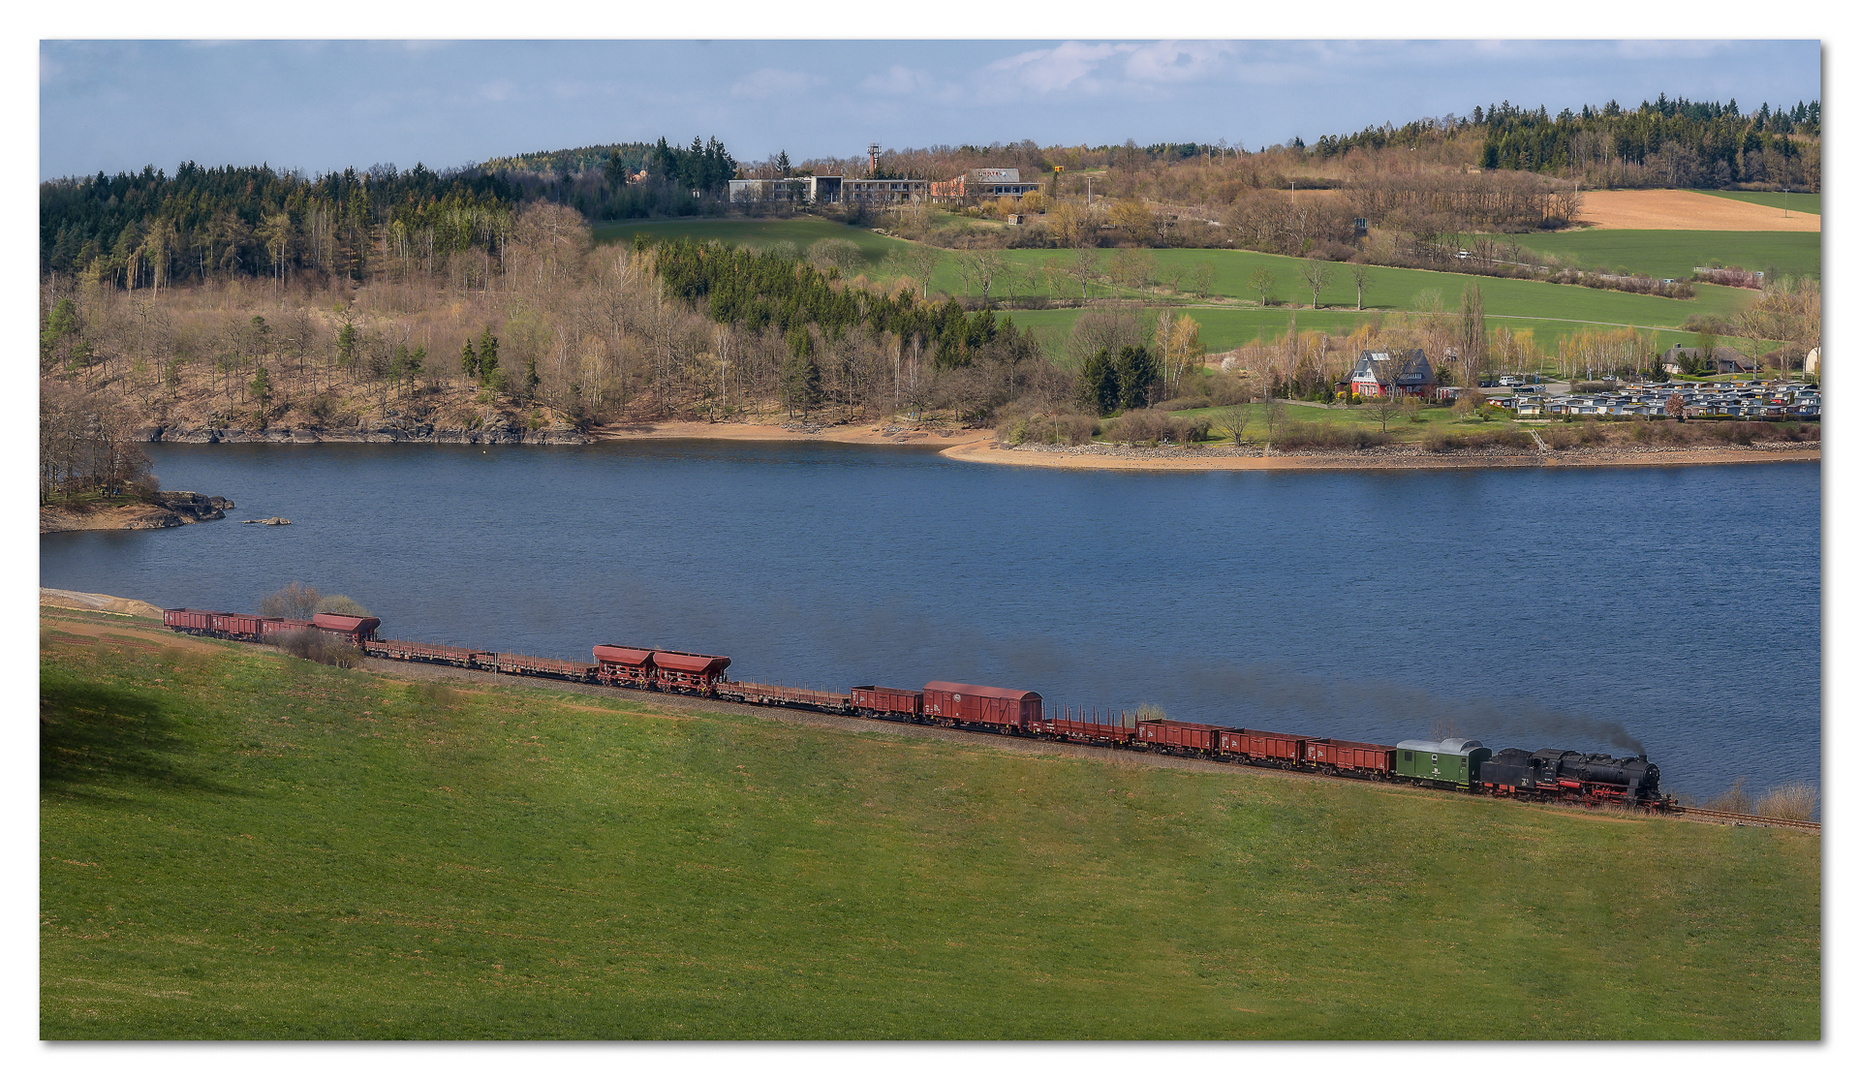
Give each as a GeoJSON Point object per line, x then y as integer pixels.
{"type": "Point", "coordinates": [1805, 202]}
{"type": "Point", "coordinates": [1672, 253]}
{"type": "Point", "coordinates": [752, 232]}
{"type": "Point", "coordinates": [1232, 315]}
{"type": "Point", "coordinates": [238, 845]}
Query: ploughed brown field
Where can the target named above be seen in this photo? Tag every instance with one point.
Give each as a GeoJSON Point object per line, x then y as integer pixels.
{"type": "Point", "coordinates": [1687, 210]}
{"type": "Point", "coordinates": [1666, 210]}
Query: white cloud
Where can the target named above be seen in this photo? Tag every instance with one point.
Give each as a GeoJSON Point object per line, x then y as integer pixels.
{"type": "Point", "coordinates": [1176, 61]}
{"type": "Point", "coordinates": [898, 79]}
{"type": "Point", "coordinates": [497, 90]}
{"type": "Point", "coordinates": [1070, 66]}
{"type": "Point", "coordinates": [774, 83]}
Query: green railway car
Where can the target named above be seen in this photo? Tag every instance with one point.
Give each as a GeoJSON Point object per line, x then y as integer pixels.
{"type": "Point", "coordinates": [1451, 762]}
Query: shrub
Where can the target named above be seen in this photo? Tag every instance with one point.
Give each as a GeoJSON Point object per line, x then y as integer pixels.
{"type": "Point", "coordinates": [1066, 429]}
{"type": "Point", "coordinates": [1441, 440]}
{"type": "Point", "coordinates": [1298, 435]}
{"type": "Point", "coordinates": [294, 601]}
{"type": "Point", "coordinates": [1154, 426]}
{"type": "Point", "coordinates": [1795, 802]}
{"type": "Point", "coordinates": [1733, 800]}
{"type": "Point", "coordinates": [318, 647]}
{"type": "Point", "coordinates": [342, 605]}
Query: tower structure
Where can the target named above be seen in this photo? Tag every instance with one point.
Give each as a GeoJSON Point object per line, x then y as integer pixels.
{"type": "Point", "coordinates": [871, 163]}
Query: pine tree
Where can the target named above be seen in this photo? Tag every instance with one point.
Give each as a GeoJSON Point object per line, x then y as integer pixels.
{"type": "Point", "coordinates": [487, 358]}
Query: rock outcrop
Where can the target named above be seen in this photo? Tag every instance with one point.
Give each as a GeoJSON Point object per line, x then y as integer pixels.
{"type": "Point", "coordinates": [163, 510]}
{"type": "Point", "coordinates": [498, 430]}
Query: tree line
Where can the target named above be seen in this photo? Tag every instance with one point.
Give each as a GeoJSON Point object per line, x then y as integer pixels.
{"type": "Point", "coordinates": [1670, 143]}
{"type": "Point", "coordinates": [152, 230]}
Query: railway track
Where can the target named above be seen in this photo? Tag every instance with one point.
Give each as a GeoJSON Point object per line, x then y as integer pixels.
{"type": "Point", "coordinates": [700, 676]}
{"type": "Point", "coordinates": [1727, 817]}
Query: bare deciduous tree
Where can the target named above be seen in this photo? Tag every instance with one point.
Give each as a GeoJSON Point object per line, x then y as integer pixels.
{"type": "Point", "coordinates": [1316, 275]}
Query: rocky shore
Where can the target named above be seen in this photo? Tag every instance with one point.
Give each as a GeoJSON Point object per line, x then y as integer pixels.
{"type": "Point", "coordinates": [163, 510]}
{"type": "Point", "coordinates": [499, 431]}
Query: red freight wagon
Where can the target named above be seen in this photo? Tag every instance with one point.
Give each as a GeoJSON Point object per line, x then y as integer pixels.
{"type": "Point", "coordinates": [1201, 738]}
{"type": "Point", "coordinates": [687, 671]}
{"type": "Point", "coordinates": [246, 627]}
{"type": "Point", "coordinates": [274, 628]}
{"type": "Point", "coordinates": [1264, 746]}
{"type": "Point", "coordinates": [755, 693]}
{"type": "Point", "coordinates": [357, 628]}
{"type": "Point", "coordinates": [884, 699]}
{"type": "Point", "coordinates": [961, 703]}
{"type": "Point", "coordinates": [549, 667]}
{"type": "Point", "coordinates": [188, 620]}
{"type": "Point", "coordinates": [621, 664]}
{"type": "Point", "coordinates": [1077, 729]}
{"type": "Point", "coordinates": [390, 649]}
{"type": "Point", "coordinates": [1342, 755]}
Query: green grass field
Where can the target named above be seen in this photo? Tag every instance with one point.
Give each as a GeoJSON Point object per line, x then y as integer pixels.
{"type": "Point", "coordinates": [1673, 253]}
{"type": "Point", "coordinates": [1806, 202]}
{"type": "Point", "coordinates": [752, 232]}
{"type": "Point", "coordinates": [1235, 318]}
{"type": "Point", "coordinates": [234, 845]}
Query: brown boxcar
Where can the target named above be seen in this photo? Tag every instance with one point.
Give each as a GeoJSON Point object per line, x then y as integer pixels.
{"type": "Point", "coordinates": [1264, 746]}
{"type": "Point", "coordinates": [687, 671]}
{"type": "Point", "coordinates": [1174, 735]}
{"type": "Point", "coordinates": [884, 699]}
{"type": "Point", "coordinates": [1010, 710]}
{"type": "Point", "coordinates": [1345, 756]}
{"type": "Point", "coordinates": [617, 663]}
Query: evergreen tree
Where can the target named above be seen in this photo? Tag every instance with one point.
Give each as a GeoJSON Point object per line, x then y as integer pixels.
{"type": "Point", "coordinates": [487, 359]}
{"type": "Point", "coordinates": [1137, 370]}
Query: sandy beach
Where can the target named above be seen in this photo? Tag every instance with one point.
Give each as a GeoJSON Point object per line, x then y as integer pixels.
{"type": "Point", "coordinates": [980, 446]}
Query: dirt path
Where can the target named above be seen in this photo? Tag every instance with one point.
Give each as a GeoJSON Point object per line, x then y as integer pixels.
{"type": "Point", "coordinates": [83, 601]}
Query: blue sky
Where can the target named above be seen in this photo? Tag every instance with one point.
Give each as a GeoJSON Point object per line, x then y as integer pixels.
{"type": "Point", "coordinates": [322, 105]}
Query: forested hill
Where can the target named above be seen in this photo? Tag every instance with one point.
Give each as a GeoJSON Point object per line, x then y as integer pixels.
{"type": "Point", "coordinates": [701, 166]}
{"type": "Point", "coordinates": [150, 229]}
{"type": "Point", "coordinates": [1667, 142]}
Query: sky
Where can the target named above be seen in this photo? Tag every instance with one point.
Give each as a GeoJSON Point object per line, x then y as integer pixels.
{"type": "Point", "coordinates": [319, 106]}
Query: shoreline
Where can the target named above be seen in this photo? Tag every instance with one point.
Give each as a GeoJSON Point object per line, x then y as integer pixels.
{"type": "Point", "coordinates": [981, 447]}
{"type": "Point", "coordinates": [1133, 459]}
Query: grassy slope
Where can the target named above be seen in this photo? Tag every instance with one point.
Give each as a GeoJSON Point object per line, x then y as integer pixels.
{"type": "Point", "coordinates": [1674, 252]}
{"type": "Point", "coordinates": [1550, 311]}
{"type": "Point", "coordinates": [234, 845]}
{"type": "Point", "coordinates": [1807, 203]}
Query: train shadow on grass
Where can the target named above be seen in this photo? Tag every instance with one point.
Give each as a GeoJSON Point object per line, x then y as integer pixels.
{"type": "Point", "coordinates": [95, 741]}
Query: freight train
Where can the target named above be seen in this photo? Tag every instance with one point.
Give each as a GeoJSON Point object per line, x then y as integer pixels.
{"type": "Point", "coordinates": [1460, 764]}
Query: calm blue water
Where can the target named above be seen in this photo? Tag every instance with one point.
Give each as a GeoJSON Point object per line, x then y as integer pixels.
{"type": "Point", "coordinates": [1593, 609]}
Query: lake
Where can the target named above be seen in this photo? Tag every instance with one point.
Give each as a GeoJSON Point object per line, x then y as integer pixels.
{"type": "Point", "coordinates": [1605, 609]}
